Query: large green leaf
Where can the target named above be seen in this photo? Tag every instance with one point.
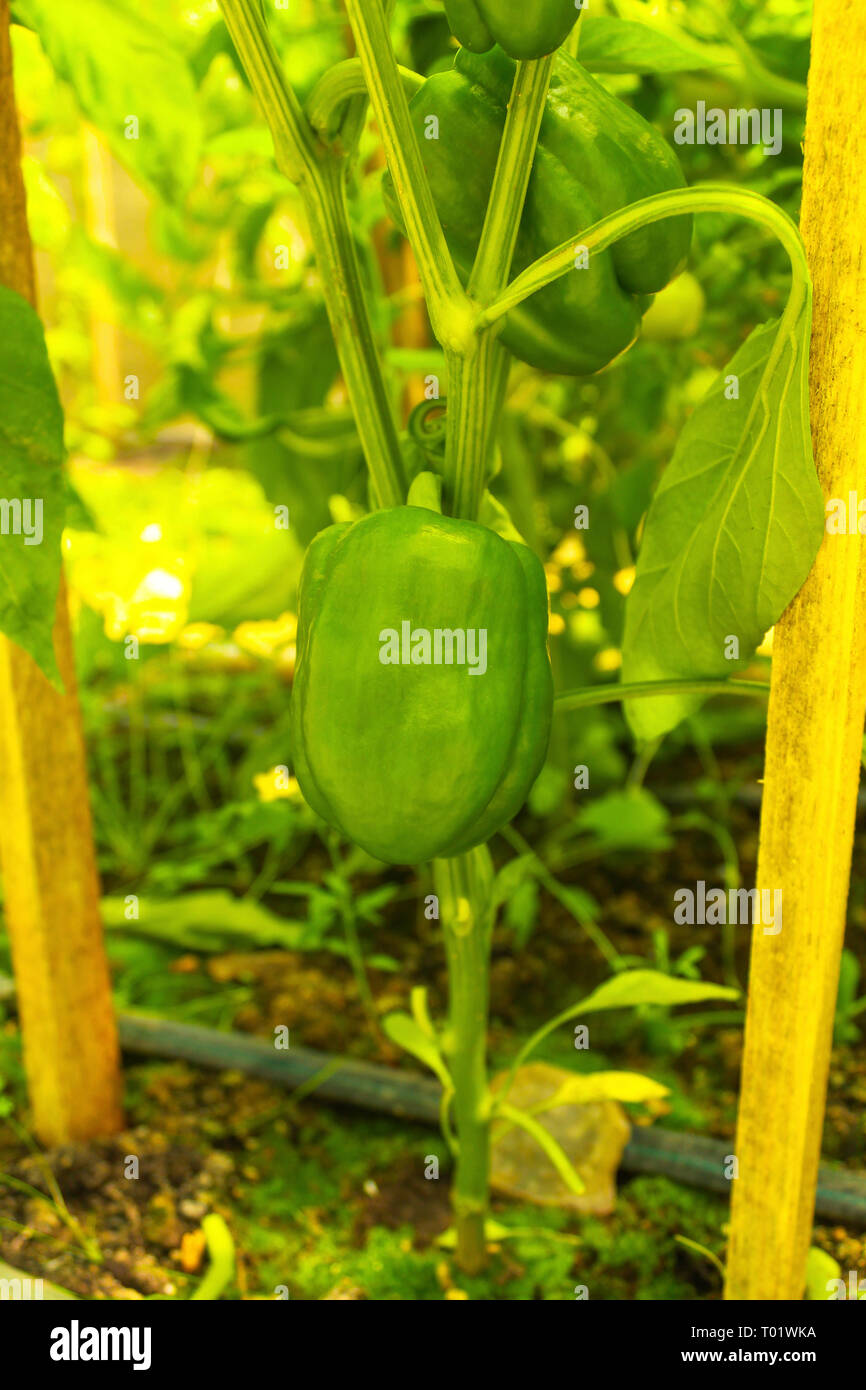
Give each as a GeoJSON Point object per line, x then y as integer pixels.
{"type": "Point", "coordinates": [608, 44]}
{"type": "Point", "coordinates": [31, 453]}
{"type": "Point", "coordinates": [121, 65]}
{"type": "Point", "coordinates": [734, 526]}
{"type": "Point", "coordinates": [210, 920]}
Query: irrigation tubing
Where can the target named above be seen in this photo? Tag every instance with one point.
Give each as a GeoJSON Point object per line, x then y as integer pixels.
{"type": "Point", "coordinates": [692, 1159]}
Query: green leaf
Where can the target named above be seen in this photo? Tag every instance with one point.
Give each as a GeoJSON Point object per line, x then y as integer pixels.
{"type": "Point", "coordinates": [623, 45]}
{"type": "Point", "coordinates": [821, 1270]}
{"type": "Point", "coordinates": [369, 905]}
{"type": "Point", "coordinates": [31, 453]}
{"type": "Point", "coordinates": [206, 921]}
{"type": "Point", "coordinates": [426, 491]}
{"type": "Point", "coordinates": [701, 1250]}
{"type": "Point", "coordinates": [512, 876]}
{"type": "Point", "coordinates": [409, 1035]}
{"type": "Point", "coordinates": [120, 65]}
{"type": "Point", "coordinates": [496, 517]}
{"type": "Point", "coordinates": [421, 1014]}
{"type": "Point", "coordinates": [634, 987]}
{"type": "Point", "coordinates": [380, 962]}
{"type": "Point", "coordinates": [547, 1143]}
{"type": "Point", "coordinates": [521, 912]}
{"type": "Point", "coordinates": [627, 990]}
{"type": "Point", "coordinates": [733, 529]}
{"type": "Point", "coordinates": [627, 1086]}
{"type": "Point", "coordinates": [581, 905]}
{"type": "Point", "coordinates": [221, 1254]}
{"type": "Point", "coordinates": [631, 819]}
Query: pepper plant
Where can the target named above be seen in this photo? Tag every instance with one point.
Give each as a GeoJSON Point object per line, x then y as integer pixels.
{"type": "Point", "coordinates": [543, 214]}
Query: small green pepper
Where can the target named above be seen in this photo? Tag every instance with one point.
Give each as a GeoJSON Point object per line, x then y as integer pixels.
{"type": "Point", "coordinates": [523, 28]}
{"type": "Point", "coordinates": [595, 155]}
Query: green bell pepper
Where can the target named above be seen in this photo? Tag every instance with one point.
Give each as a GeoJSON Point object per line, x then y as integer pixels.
{"type": "Point", "coordinates": [523, 28]}
{"type": "Point", "coordinates": [595, 155]}
{"type": "Point", "coordinates": [423, 694]}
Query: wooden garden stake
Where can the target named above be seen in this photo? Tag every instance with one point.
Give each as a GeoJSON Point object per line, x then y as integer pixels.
{"type": "Point", "coordinates": [817, 703]}
{"type": "Point", "coordinates": [48, 861]}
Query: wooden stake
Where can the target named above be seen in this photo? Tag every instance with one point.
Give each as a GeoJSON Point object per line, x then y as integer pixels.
{"type": "Point", "coordinates": [50, 879]}
{"type": "Point", "coordinates": [816, 714]}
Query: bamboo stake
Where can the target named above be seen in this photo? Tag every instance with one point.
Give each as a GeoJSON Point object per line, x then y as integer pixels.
{"type": "Point", "coordinates": [816, 713]}
{"type": "Point", "coordinates": [50, 878]}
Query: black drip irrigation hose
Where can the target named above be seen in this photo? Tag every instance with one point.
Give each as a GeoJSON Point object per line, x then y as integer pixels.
{"type": "Point", "coordinates": [687, 1158]}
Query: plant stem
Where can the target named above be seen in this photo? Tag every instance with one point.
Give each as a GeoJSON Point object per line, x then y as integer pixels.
{"type": "Point", "coordinates": [447, 303]}
{"type": "Point", "coordinates": [353, 940]}
{"type": "Point", "coordinates": [475, 381]}
{"type": "Point", "coordinates": [609, 694]}
{"type": "Point", "coordinates": [340, 85]}
{"type": "Point", "coordinates": [511, 179]}
{"type": "Point", "coordinates": [327, 211]}
{"type": "Point", "coordinates": [463, 887]}
{"type": "Point", "coordinates": [293, 138]}
{"type": "Point", "coordinates": [477, 373]}
{"type": "Point", "coordinates": [321, 179]}
{"type": "Point", "coordinates": [741, 202]}
{"type": "Point", "coordinates": [563, 896]}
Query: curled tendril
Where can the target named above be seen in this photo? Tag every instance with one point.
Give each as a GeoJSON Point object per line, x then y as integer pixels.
{"type": "Point", "coordinates": [427, 427]}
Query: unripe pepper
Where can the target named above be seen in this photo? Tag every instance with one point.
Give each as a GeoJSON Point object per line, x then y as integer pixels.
{"type": "Point", "coordinates": [523, 28]}
{"type": "Point", "coordinates": [423, 694]}
{"type": "Point", "coordinates": [595, 155]}
{"type": "Point", "coordinates": [677, 311]}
